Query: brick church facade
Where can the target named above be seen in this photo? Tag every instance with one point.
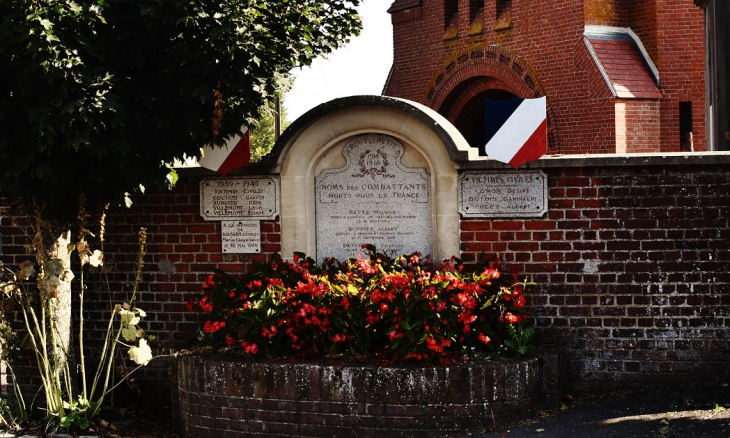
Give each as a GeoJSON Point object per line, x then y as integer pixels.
{"type": "Point", "coordinates": [620, 76]}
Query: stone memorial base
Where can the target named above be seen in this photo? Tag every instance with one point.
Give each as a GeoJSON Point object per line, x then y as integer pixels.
{"type": "Point", "coordinates": [225, 397]}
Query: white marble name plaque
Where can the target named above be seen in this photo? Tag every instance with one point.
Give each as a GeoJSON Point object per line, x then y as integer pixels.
{"type": "Point", "coordinates": [241, 237]}
{"type": "Point", "coordinates": [240, 198]}
{"type": "Point", "coordinates": [520, 193]}
{"type": "Point", "coordinates": [373, 199]}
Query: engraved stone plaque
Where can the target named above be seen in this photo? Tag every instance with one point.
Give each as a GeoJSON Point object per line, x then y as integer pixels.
{"type": "Point", "coordinates": [503, 194]}
{"type": "Point", "coordinates": [241, 237]}
{"type": "Point", "coordinates": [373, 199]}
{"type": "Point", "coordinates": [239, 198]}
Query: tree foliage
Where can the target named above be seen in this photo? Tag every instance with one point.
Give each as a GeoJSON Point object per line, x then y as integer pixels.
{"type": "Point", "coordinates": [96, 95]}
{"type": "Point", "coordinates": [263, 131]}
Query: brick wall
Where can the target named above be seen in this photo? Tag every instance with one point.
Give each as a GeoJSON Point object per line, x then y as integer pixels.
{"type": "Point", "coordinates": [605, 12]}
{"type": "Point", "coordinates": [546, 37]}
{"type": "Point", "coordinates": [182, 251]}
{"type": "Point", "coordinates": [637, 126]}
{"type": "Point", "coordinates": [632, 264]}
{"type": "Point", "coordinates": [681, 63]}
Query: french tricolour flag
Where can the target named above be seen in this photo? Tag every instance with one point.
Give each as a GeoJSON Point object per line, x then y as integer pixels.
{"type": "Point", "coordinates": [515, 129]}
{"type": "Point", "coordinates": [235, 154]}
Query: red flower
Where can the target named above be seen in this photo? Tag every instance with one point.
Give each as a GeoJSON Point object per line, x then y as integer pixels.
{"type": "Point", "coordinates": [433, 345]}
{"type": "Point", "coordinates": [268, 332]}
{"type": "Point", "coordinates": [212, 327]}
{"type": "Point", "coordinates": [209, 283]}
{"type": "Point", "coordinates": [484, 338]}
{"type": "Point", "coordinates": [394, 335]}
{"type": "Point", "coordinates": [207, 307]}
{"type": "Point", "coordinates": [467, 301]}
{"type": "Point", "coordinates": [512, 319]}
{"type": "Point", "coordinates": [249, 348]}
{"type": "Point", "coordinates": [190, 305]}
{"type": "Point", "coordinates": [520, 302]}
{"type": "Point", "coordinates": [372, 318]}
{"type": "Point", "coordinates": [491, 272]}
{"type": "Point", "coordinates": [467, 317]}
{"type": "Point", "coordinates": [364, 265]}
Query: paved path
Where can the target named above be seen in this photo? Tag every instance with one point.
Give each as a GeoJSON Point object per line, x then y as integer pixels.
{"type": "Point", "coordinates": [665, 413]}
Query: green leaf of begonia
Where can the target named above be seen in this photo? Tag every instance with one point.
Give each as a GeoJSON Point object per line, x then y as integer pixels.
{"type": "Point", "coordinates": [83, 423]}
{"type": "Point", "coordinates": [129, 333]}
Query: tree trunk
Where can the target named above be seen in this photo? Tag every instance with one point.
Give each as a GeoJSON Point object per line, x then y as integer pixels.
{"type": "Point", "coordinates": [58, 281]}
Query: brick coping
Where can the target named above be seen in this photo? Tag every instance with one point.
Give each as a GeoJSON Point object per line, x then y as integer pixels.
{"type": "Point", "coordinates": [220, 396]}
{"type": "Point", "coordinates": [548, 161]}
{"type": "Point", "coordinates": [615, 160]}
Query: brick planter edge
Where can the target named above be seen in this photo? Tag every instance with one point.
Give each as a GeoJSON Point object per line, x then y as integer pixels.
{"type": "Point", "coordinates": [219, 397]}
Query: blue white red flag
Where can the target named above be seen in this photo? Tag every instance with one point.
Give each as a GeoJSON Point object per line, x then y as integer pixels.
{"type": "Point", "coordinates": [515, 129]}
{"type": "Point", "coordinates": [235, 154]}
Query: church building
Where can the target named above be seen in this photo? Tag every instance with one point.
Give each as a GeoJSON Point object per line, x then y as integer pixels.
{"type": "Point", "coordinates": [620, 76]}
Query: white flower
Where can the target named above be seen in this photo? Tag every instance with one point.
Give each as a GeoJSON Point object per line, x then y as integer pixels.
{"type": "Point", "coordinates": [96, 259]}
{"type": "Point", "coordinates": [141, 355]}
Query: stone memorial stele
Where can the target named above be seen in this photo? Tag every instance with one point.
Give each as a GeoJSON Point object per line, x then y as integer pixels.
{"type": "Point", "coordinates": [240, 198]}
{"type": "Point", "coordinates": [373, 199]}
{"type": "Point", "coordinates": [241, 237]}
{"type": "Point", "coordinates": [520, 193]}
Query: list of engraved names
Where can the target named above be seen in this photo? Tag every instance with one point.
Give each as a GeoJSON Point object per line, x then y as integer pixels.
{"type": "Point", "coordinates": [239, 198]}
{"type": "Point", "coordinates": [504, 193]}
{"type": "Point", "coordinates": [374, 199]}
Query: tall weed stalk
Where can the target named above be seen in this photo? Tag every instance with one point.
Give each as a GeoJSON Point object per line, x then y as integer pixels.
{"type": "Point", "coordinates": [67, 403]}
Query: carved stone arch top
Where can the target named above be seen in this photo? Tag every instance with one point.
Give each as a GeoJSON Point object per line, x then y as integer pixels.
{"type": "Point", "coordinates": [339, 160]}
{"type": "Point", "coordinates": [478, 68]}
